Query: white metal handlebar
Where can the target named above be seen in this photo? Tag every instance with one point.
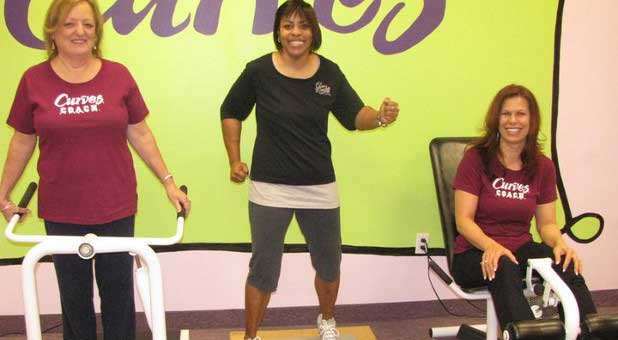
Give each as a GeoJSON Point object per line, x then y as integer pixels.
{"type": "Point", "coordinates": [153, 241]}
{"type": "Point", "coordinates": [150, 284]}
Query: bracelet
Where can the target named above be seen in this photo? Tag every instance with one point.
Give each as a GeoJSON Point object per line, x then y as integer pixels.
{"type": "Point", "coordinates": [379, 119]}
{"type": "Point", "coordinates": [166, 177]}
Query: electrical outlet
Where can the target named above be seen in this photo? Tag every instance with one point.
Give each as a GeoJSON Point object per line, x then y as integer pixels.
{"type": "Point", "coordinates": [418, 249]}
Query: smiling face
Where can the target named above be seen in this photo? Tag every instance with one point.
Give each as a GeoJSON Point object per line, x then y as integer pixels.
{"type": "Point", "coordinates": [76, 34]}
{"type": "Point", "coordinates": [514, 123]}
{"type": "Point", "coordinates": [295, 36]}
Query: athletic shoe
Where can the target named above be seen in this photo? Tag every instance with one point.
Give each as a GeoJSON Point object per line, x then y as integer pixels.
{"type": "Point", "coordinates": [328, 330]}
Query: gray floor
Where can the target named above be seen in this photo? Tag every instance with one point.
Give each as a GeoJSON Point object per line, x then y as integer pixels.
{"type": "Point", "coordinates": [395, 321]}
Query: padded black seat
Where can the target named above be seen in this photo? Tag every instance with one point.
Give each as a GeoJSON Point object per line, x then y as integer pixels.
{"type": "Point", "coordinates": [446, 154]}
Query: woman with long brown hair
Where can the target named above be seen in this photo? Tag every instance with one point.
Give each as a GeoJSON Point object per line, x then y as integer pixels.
{"type": "Point", "coordinates": [503, 181]}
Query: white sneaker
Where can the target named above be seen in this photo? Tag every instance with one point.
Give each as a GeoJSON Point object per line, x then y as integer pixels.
{"type": "Point", "coordinates": [256, 338]}
{"type": "Point", "coordinates": [328, 330]}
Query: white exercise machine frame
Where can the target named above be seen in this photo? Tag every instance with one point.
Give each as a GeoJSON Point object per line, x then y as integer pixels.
{"type": "Point", "coordinates": [554, 291]}
{"type": "Point", "coordinates": [148, 276]}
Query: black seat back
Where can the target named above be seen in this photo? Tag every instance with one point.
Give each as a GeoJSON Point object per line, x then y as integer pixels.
{"type": "Point", "coordinates": [446, 153]}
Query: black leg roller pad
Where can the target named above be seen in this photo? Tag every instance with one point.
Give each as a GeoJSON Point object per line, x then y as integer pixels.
{"type": "Point", "coordinates": [534, 330]}
{"type": "Point", "coordinates": [467, 332]}
{"type": "Point", "coordinates": [600, 327]}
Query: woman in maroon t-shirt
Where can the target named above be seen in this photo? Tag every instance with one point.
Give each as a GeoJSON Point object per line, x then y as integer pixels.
{"type": "Point", "coordinates": [502, 182]}
{"type": "Point", "coordinates": [83, 109]}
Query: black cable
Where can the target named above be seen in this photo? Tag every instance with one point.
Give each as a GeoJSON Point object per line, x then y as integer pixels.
{"type": "Point", "coordinates": [51, 328]}
{"type": "Point", "coordinates": [425, 248]}
{"type": "Point", "coordinates": [13, 333]}
{"type": "Point", "coordinates": [24, 332]}
{"type": "Point", "coordinates": [442, 302]}
{"type": "Point", "coordinates": [483, 310]}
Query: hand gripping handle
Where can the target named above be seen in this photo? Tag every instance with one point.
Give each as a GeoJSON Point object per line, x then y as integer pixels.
{"type": "Point", "coordinates": [182, 213]}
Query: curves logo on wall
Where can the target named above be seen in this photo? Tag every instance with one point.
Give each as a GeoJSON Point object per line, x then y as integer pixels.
{"type": "Point", "coordinates": [207, 14]}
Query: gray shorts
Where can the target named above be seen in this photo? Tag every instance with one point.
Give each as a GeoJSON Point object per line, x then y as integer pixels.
{"type": "Point", "coordinates": [320, 227]}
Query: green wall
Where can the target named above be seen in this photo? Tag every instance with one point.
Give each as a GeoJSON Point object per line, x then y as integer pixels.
{"type": "Point", "coordinates": [443, 85]}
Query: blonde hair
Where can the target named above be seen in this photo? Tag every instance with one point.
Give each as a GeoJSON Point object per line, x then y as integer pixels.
{"type": "Point", "coordinates": [58, 12]}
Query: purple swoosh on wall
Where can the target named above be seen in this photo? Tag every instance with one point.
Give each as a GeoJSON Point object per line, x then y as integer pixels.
{"type": "Point", "coordinates": [264, 16]}
{"type": "Point", "coordinates": [125, 20]}
{"type": "Point", "coordinates": [324, 13]}
{"type": "Point", "coordinates": [16, 17]}
{"type": "Point", "coordinates": [430, 18]}
{"type": "Point", "coordinates": [207, 17]}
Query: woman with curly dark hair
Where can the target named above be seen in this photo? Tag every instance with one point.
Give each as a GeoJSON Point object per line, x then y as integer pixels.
{"type": "Point", "coordinates": [293, 90]}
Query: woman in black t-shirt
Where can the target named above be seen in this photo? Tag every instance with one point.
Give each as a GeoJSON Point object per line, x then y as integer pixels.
{"type": "Point", "coordinates": [293, 89]}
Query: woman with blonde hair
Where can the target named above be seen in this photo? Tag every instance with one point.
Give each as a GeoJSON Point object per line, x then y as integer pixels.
{"type": "Point", "coordinates": [82, 110]}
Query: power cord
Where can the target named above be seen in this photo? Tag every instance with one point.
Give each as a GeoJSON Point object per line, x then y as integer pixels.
{"type": "Point", "coordinates": [24, 332]}
{"type": "Point", "coordinates": [425, 248]}
{"type": "Point", "coordinates": [51, 328]}
{"type": "Point", "coordinates": [8, 334]}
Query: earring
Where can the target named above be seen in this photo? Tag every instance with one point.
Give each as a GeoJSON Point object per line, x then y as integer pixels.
{"type": "Point", "coordinates": [278, 40]}
{"type": "Point", "coordinates": [53, 45]}
{"type": "Point", "coordinates": [95, 47]}
{"type": "Point", "coordinates": [498, 135]}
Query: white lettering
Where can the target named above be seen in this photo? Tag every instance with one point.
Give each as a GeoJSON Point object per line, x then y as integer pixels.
{"type": "Point", "coordinates": [512, 190]}
{"type": "Point", "coordinates": [322, 89]}
{"type": "Point", "coordinates": [61, 100]}
{"type": "Point", "coordinates": [78, 105]}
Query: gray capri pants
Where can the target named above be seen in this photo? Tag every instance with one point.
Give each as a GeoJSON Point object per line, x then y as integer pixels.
{"type": "Point", "coordinates": [320, 227]}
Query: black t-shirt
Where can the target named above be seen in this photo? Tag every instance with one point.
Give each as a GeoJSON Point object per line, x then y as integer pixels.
{"type": "Point", "coordinates": [292, 146]}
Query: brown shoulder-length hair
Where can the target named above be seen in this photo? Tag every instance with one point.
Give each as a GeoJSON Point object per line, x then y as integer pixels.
{"type": "Point", "coordinates": [56, 14]}
{"type": "Point", "coordinates": [489, 143]}
{"type": "Point", "coordinates": [304, 11]}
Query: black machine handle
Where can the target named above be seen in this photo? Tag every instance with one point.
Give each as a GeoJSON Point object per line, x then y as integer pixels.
{"type": "Point", "coordinates": [25, 199]}
{"type": "Point", "coordinates": [183, 212]}
{"type": "Point", "coordinates": [436, 269]}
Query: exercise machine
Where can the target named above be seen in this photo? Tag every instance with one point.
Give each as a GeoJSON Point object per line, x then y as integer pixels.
{"type": "Point", "coordinates": [148, 273]}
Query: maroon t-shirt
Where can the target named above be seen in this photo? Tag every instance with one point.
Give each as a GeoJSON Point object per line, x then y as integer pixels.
{"type": "Point", "coordinates": [86, 173]}
{"type": "Point", "coordinates": [506, 204]}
